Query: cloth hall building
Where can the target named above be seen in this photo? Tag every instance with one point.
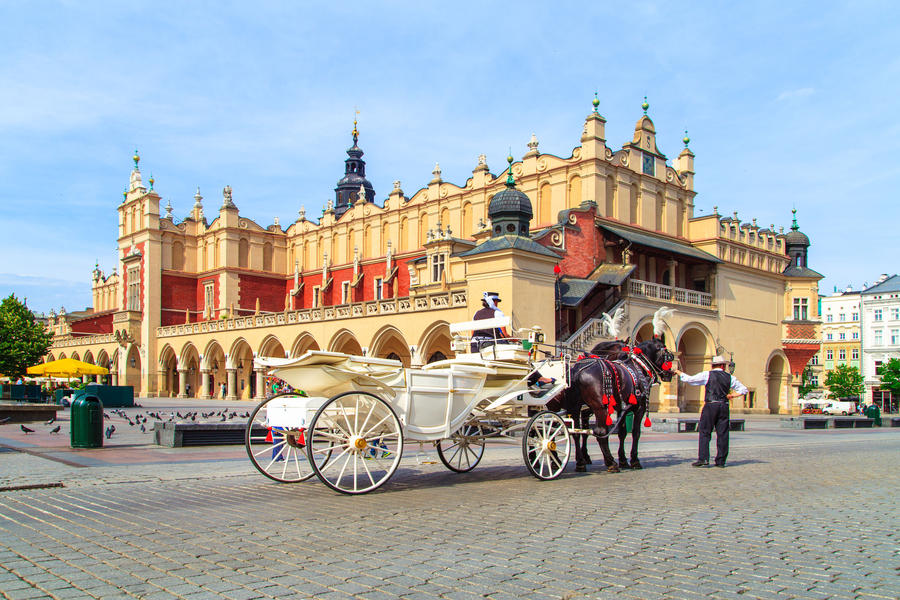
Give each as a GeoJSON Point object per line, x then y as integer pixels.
{"type": "Point", "coordinates": [562, 239]}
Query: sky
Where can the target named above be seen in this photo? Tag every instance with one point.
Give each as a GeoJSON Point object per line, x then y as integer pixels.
{"type": "Point", "coordinates": [787, 105]}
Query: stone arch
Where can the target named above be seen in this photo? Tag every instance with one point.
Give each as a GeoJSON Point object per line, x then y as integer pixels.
{"type": "Point", "coordinates": [214, 362]}
{"type": "Point", "coordinates": [133, 368]}
{"type": "Point", "coordinates": [189, 360]}
{"type": "Point", "coordinates": [776, 381]}
{"type": "Point", "coordinates": [62, 355]}
{"type": "Point", "coordinates": [49, 358]}
{"type": "Point", "coordinates": [435, 338]}
{"type": "Point", "coordinates": [423, 229]}
{"type": "Point", "coordinates": [240, 360]}
{"type": "Point", "coordinates": [177, 256]}
{"type": "Point", "coordinates": [168, 371]}
{"type": "Point", "coordinates": [268, 256]}
{"type": "Point", "coordinates": [88, 357]}
{"type": "Point", "coordinates": [695, 349]}
{"type": "Point", "coordinates": [243, 253]}
{"type": "Point", "coordinates": [403, 242]}
{"type": "Point", "coordinates": [389, 341]}
{"type": "Point", "coordinates": [643, 330]}
{"type": "Point", "coordinates": [303, 343]}
{"type": "Point", "coordinates": [271, 346]}
{"type": "Point", "coordinates": [344, 341]}
{"type": "Point", "coordinates": [467, 224]}
{"type": "Point", "coordinates": [75, 355]}
{"type": "Point", "coordinates": [103, 361]}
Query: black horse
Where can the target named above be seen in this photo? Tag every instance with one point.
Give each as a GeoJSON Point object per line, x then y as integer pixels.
{"type": "Point", "coordinates": [614, 380]}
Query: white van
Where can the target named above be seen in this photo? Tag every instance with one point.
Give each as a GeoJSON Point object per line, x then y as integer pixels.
{"type": "Point", "coordinates": [837, 407]}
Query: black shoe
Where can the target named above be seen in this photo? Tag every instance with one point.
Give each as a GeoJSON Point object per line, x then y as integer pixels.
{"type": "Point", "coordinates": [700, 463]}
{"type": "Point", "coordinates": [720, 465]}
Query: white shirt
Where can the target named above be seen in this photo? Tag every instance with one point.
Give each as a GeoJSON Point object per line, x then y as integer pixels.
{"type": "Point", "coordinates": [702, 377]}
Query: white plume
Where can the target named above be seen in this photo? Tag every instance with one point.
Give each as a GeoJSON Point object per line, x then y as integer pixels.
{"type": "Point", "coordinates": [659, 319]}
{"type": "Point", "coordinates": [614, 323]}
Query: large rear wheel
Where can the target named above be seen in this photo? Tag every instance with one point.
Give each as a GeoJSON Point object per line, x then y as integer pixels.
{"type": "Point", "coordinates": [464, 449]}
{"type": "Point", "coordinates": [546, 445]}
{"type": "Point", "coordinates": [362, 436]}
{"type": "Point", "coordinates": [275, 438]}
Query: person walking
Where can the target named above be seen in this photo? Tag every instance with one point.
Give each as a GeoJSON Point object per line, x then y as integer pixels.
{"type": "Point", "coordinates": [720, 388]}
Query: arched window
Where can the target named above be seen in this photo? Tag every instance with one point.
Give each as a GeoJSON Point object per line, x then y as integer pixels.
{"type": "Point", "coordinates": [243, 253]}
{"type": "Point", "coordinates": [467, 220]}
{"type": "Point", "coordinates": [436, 357]}
{"type": "Point", "coordinates": [423, 228]}
{"type": "Point", "coordinates": [574, 191]}
{"type": "Point", "coordinates": [404, 232]}
{"type": "Point", "coordinates": [545, 201]}
{"type": "Point", "coordinates": [268, 252]}
{"type": "Point", "coordinates": [178, 256]}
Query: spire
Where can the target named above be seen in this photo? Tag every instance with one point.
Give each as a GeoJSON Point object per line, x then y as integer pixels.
{"type": "Point", "coordinates": [168, 208]}
{"type": "Point", "coordinates": [645, 105]}
{"type": "Point", "coordinates": [137, 159]}
{"type": "Point", "coordinates": [510, 182]}
{"type": "Point", "coordinates": [355, 131]}
{"type": "Point", "coordinates": [198, 199]}
{"type": "Point", "coordinates": [794, 226]}
{"type": "Point", "coordinates": [596, 102]}
{"type": "Point", "coordinates": [135, 183]}
{"type": "Point", "coordinates": [686, 139]}
{"type": "Point", "coordinates": [151, 181]}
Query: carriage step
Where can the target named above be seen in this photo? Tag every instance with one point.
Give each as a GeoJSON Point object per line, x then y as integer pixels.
{"type": "Point", "coordinates": [690, 425]}
{"type": "Point", "coordinates": [177, 435]}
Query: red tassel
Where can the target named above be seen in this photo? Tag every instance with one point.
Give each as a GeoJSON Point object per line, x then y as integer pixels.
{"type": "Point", "coordinates": [632, 399]}
{"type": "Point", "coordinates": [608, 420]}
{"type": "Point", "coordinates": [647, 422]}
{"type": "Point", "coordinates": [638, 351]}
{"type": "Point", "coordinates": [604, 400]}
{"type": "Point", "coordinates": [301, 439]}
{"type": "Point", "coordinates": [626, 349]}
{"type": "Point", "coordinates": [269, 436]}
{"type": "Point", "coordinates": [612, 408]}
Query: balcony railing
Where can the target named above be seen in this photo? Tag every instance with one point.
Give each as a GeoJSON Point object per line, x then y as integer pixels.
{"type": "Point", "coordinates": [390, 306]}
{"type": "Point", "coordinates": [666, 293]}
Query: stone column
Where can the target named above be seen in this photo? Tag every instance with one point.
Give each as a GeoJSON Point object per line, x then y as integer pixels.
{"type": "Point", "coordinates": [113, 377]}
{"type": "Point", "coordinates": [182, 383]}
{"type": "Point", "coordinates": [204, 384]}
{"type": "Point", "coordinates": [231, 389]}
{"type": "Point", "coordinates": [260, 385]}
{"type": "Point", "coordinates": [668, 396]}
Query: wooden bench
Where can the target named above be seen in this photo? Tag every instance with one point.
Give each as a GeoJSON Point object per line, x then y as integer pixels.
{"type": "Point", "coordinates": [177, 435]}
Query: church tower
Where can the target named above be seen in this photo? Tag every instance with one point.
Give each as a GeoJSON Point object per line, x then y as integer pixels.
{"type": "Point", "coordinates": [347, 193]}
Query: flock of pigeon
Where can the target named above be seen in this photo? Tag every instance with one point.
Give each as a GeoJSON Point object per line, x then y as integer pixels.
{"type": "Point", "coordinates": [141, 420]}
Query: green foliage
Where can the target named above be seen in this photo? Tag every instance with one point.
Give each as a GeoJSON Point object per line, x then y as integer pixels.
{"type": "Point", "coordinates": [806, 385]}
{"type": "Point", "coordinates": [890, 376]}
{"type": "Point", "coordinates": [22, 341]}
{"type": "Point", "coordinates": [844, 381]}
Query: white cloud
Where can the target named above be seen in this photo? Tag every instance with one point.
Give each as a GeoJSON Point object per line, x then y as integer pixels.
{"type": "Point", "coordinates": [793, 94]}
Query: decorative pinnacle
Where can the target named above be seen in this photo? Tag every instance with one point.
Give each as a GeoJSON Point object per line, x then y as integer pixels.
{"type": "Point", "coordinates": [645, 106]}
{"type": "Point", "coordinates": [355, 131]}
{"type": "Point", "coordinates": [510, 182]}
{"type": "Point", "coordinates": [151, 180]}
{"type": "Point", "coordinates": [125, 194]}
{"type": "Point", "coordinates": [794, 226]}
{"type": "Point", "coordinates": [686, 139]}
{"type": "Point", "coordinates": [136, 158]}
{"type": "Point", "coordinates": [595, 101]}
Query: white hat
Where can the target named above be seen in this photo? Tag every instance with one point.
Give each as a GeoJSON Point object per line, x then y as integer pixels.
{"type": "Point", "coordinates": [719, 360]}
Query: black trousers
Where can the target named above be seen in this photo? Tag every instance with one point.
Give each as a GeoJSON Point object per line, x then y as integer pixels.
{"type": "Point", "coordinates": [714, 415]}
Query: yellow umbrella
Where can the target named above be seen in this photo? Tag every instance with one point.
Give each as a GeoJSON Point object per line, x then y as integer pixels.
{"type": "Point", "coordinates": [66, 367]}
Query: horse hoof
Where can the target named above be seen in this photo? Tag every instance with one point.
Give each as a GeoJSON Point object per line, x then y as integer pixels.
{"type": "Point", "coordinates": [636, 465]}
{"type": "Point", "coordinates": [588, 461]}
{"type": "Point", "coordinates": [623, 464]}
{"type": "Point", "coordinates": [613, 469]}
{"type": "Point", "coordinates": [580, 469]}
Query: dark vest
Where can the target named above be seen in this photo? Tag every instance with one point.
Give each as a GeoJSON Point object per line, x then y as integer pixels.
{"type": "Point", "coordinates": [717, 386]}
{"type": "Point", "coordinates": [485, 313]}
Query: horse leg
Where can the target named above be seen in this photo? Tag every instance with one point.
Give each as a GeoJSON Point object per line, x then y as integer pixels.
{"type": "Point", "coordinates": [623, 433]}
{"type": "Point", "coordinates": [585, 423]}
{"type": "Point", "coordinates": [601, 432]}
{"type": "Point", "coordinates": [635, 438]}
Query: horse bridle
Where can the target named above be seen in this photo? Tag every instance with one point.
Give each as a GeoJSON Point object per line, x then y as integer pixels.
{"type": "Point", "coordinates": [651, 366]}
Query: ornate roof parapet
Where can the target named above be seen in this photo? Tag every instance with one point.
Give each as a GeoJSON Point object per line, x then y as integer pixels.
{"type": "Point", "coordinates": [227, 202]}
{"type": "Point", "coordinates": [532, 147]}
{"type": "Point", "coordinates": [436, 174]}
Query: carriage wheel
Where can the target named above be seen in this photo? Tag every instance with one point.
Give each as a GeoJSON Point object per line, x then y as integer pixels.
{"type": "Point", "coordinates": [546, 445]}
{"type": "Point", "coordinates": [362, 436]}
{"type": "Point", "coordinates": [279, 453]}
{"type": "Point", "coordinates": [464, 448]}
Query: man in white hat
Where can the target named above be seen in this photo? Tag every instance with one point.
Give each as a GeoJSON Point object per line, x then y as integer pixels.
{"type": "Point", "coordinates": [720, 388]}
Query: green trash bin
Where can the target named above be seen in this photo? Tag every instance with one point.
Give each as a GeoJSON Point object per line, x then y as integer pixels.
{"type": "Point", "coordinates": [86, 428]}
{"type": "Point", "coordinates": [874, 413]}
{"type": "Point", "coordinates": [629, 422]}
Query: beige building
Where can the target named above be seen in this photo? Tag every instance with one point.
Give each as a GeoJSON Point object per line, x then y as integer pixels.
{"type": "Point", "coordinates": [561, 238]}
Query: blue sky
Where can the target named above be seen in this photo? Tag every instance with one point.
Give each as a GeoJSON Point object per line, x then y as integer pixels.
{"type": "Point", "coordinates": [788, 104]}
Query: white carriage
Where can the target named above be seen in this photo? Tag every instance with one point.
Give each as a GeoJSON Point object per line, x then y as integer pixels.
{"type": "Point", "coordinates": [350, 428]}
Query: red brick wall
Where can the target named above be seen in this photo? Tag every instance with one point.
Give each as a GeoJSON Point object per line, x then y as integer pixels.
{"type": "Point", "coordinates": [364, 292]}
{"type": "Point", "coordinates": [584, 246]}
{"type": "Point", "coordinates": [93, 325]}
{"type": "Point", "coordinates": [270, 292]}
{"type": "Point", "coordinates": [798, 355]}
{"type": "Point", "coordinates": [801, 331]}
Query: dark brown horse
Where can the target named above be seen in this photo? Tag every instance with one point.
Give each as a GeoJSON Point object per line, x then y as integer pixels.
{"type": "Point", "coordinates": [614, 380]}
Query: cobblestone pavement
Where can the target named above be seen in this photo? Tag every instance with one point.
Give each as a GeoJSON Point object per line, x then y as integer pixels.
{"type": "Point", "coordinates": [795, 515]}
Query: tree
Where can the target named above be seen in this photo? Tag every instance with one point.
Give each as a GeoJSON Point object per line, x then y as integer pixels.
{"type": "Point", "coordinates": [22, 341]}
{"type": "Point", "coordinates": [844, 381]}
{"type": "Point", "coordinates": [890, 376]}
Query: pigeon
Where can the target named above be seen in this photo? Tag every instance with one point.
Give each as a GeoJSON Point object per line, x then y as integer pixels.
{"type": "Point", "coordinates": [26, 430]}
{"type": "Point", "coordinates": [55, 429]}
{"type": "Point", "coordinates": [5, 420]}
{"type": "Point", "coordinates": [143, 429]}
{"type": "Point", "coordinates": [130, 422]}
{"type": "Point", "coordinates": [50, 422]}
{"type": "Point", "coordinates": [110, 430]}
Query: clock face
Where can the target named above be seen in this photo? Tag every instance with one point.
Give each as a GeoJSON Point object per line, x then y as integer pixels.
{"type": "Point", "coordinates": [649, 164]}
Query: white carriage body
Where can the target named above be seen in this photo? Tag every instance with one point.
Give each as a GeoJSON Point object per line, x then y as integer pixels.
{"type": "Point", "coordinates": [431, 402]}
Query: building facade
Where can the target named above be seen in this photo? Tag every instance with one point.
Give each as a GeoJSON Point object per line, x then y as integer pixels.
{"type": "Point", "coordinates": [194, 300]}
{"type": "Point", "coordinates": [841, 331]}
{"type": "Point", "coordinates": [880, 312]}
